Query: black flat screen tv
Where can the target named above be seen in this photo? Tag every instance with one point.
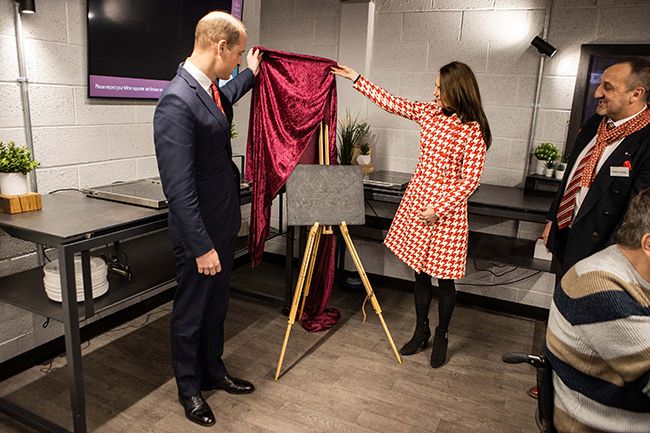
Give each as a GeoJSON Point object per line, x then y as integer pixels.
{"type": "Point", "coordinates": [135, 46]}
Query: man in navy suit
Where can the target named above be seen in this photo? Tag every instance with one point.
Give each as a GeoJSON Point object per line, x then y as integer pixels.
{"type": "Point", "coordinates": [619, 174]}
{"type": "Point", "coordinates": [201, 183]}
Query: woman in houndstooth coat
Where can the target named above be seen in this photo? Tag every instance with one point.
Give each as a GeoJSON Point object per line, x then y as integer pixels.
{"type": "Point", "coordinates": [429, 231]}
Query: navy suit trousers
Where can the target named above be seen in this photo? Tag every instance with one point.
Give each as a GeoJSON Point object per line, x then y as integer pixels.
{"type": "Point", "coordinates": [198, 315]}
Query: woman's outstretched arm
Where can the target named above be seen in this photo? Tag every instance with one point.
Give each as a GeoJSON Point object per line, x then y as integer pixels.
{"type": "Point", "coordinates": [381, 97]}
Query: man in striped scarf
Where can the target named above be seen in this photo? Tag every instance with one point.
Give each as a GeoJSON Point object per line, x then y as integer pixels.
{"type": "Point", "coordinates": [608, 165]}
{"type": "Point", "coordinates": [598, 337]}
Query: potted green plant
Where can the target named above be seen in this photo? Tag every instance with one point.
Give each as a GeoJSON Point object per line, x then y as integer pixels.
{"type": "Point", "coordinates": [549, 166]}
{"type": "Point", "coordinates": [15, 163]}
{"type": "Point", "coordinates": [350, 132]}
{"type": "Point", "coordinates": [364, 157]}
{"type": "Point", "coordinates": [560, 168]}
{"type": "Point", "coordinates": [545, 152]}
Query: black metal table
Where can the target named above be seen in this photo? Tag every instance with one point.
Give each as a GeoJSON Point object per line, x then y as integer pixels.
{"type": "Point", "coordinates": [490, 200]}
{"type": "Point", "coordinates": [73, 223]}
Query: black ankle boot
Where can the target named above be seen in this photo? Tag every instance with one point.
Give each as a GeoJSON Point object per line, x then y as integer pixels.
{"type": "Point", "coordinates": [439, 353]}
{"type": "Point", "coordinates": [420, 338]}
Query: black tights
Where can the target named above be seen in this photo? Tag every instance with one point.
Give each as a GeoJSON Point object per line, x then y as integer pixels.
{"type": "Point", "coordinates": [424, 293]}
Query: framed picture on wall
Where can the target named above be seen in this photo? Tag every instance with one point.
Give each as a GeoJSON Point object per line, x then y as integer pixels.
{"type": "Point", "coordinates": [594, 59]}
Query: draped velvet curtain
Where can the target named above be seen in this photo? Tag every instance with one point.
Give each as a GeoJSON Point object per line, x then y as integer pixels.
{"type": "Point", "coordinates": [293, 94]}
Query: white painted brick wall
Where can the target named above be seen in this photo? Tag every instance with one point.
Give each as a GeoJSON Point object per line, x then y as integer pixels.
{"type": "Point", "coordinates": [413, 38]}
{"type": "Point", "coordinates": [11, 114]}
{"type": "Point", "coordinates": [51, 105]}
{"type": "Point", "coordinates": [79, 142]}
{"type": "Point", "coordinates": [50, 179]}
{"type": "Point", "coordinates": [403, 5]}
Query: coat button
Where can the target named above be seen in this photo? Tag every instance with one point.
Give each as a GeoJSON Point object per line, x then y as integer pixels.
{"type": "Point", "coordinates": [595, 234]}
{"type": "Point", "coordinates": [607, 213]}
{"type": "Point", "coordinates": [616, 191]}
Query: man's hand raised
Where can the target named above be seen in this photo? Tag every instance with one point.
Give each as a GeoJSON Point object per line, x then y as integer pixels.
{"type": "Point", "coordinates": [253, 60]}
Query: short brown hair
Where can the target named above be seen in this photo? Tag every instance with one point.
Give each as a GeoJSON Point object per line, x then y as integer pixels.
{"type": "Point", "coordinates": [216, 26]}
{"type": "Point", "coordinates": [639, 74]}
{"type": "Point", "coordinates": [636, 222]}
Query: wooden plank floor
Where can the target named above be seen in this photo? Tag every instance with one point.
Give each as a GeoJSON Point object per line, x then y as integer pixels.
{"type": "Point", "coordinates": [342, 380]}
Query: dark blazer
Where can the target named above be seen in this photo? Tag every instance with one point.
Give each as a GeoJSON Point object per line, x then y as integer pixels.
{"type": "Point", "coordinates": [604, 206]}
{"type": "Point", "coordinates": [199, 178]}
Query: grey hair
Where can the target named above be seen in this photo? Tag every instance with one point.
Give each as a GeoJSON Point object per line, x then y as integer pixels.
{"type": "Point", "coordinates": [636, 222]}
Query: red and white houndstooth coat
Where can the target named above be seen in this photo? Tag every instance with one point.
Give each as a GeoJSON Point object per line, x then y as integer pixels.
{"type": "Point", "coordinates": [451, 160]}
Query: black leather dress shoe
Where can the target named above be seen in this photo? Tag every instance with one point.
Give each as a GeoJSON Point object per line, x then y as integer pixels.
{"type": "Point", "coordinates": [231, 385]}
{"type": "Point", "coordinates": [197, 410]}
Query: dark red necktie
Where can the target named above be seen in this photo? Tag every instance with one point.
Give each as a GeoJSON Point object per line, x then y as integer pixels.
{"type": "Point", "coordinates": [215, 96]}
{"type": "Point", "coordinates": [568, 203]}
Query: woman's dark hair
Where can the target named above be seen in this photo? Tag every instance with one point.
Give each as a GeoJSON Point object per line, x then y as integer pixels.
{"type": "Point", "coordinates": [459, 91]}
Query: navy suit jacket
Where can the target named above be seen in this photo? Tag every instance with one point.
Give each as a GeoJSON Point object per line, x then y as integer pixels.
{"type": "Point", "coordinates": [604, 206]}
{"type": "Point", "coordinates": [199, 178]}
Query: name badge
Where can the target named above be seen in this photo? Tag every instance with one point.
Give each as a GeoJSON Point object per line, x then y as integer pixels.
{"type": "Point", "coordinates": [619, 171]}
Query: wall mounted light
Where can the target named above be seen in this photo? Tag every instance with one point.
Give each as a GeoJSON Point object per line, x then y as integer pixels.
{"type": "Point", "coordinates": [27, 6]}
{"type": "Point", "coordinates": [543, 47]}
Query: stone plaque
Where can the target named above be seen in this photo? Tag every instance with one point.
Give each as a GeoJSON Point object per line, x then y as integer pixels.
{"type": "Point", "coordinates": [326, 194]}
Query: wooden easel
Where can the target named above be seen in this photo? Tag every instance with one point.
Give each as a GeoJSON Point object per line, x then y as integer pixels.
{"type": "Point", "coordinates": [309, 260]}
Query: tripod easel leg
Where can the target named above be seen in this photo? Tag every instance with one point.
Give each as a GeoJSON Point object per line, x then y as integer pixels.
{"type": "Point", "coordinates": [309, 251]}
{"type": "Point", "coordinates": [323, 159]}
{"type": "Point", "coordinates": [366, 284]}
{"type": "Point", "coordinates": [310, 272]}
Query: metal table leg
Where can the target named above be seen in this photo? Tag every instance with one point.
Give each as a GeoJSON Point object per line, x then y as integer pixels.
{"type": "Point", "coordinates": [72, 339]}
{"type": "Point", "coordinates": [89, 305]}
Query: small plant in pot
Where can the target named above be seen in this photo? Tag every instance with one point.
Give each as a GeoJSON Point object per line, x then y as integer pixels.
{"type": "Point", "coordinates": [364, 157]}
{"type": "Point", "coordinates": [549, 166]}
{"type": "Point", "coordinates": [15, 163]}
{"type": "Point", "coordinates": [545, 152]}
{"type": "Point", "coordinates": [350, 132]}
{"type": "Point", "coordinates": [560, 168]}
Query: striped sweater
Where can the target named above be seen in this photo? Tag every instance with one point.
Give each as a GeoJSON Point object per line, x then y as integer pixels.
{"type": "Point", "coordinates": [598, 342]}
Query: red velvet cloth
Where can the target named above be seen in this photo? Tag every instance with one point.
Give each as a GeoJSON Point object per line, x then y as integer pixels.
{"type": "Point", "coordinates": [291, 97]}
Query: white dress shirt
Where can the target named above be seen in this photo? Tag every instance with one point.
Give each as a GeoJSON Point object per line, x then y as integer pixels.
{"type": "Point", "coordinates": [199, 76]}
{"type": "Point", "coordinates": [609, 149]}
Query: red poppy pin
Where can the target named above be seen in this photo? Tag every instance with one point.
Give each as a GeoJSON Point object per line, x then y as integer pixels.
{"type": "Point", "coordinates": [628, 165]}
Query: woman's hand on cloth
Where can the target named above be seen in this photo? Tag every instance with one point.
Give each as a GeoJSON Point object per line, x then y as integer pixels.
{"type": "Point", "coordinates": [427, 215]}
{"type": "Point", "coordinates": [253, 60]}
{"type": "Point", "coordinates": [344, 71]}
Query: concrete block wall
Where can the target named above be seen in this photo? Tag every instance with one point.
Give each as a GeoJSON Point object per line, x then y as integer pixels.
{"type": "Point", "coordinates": [412, 39]}
{"type": "Point", "coordinates": [301, 26]}
{"type": "Point", "coordinates": [79, 142]}
{"type": "Point", "coordinates": [82, 142]}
